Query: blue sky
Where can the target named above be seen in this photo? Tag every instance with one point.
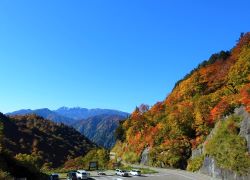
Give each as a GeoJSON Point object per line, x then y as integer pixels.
{"type": "Point", "coordinates": [108, 54]}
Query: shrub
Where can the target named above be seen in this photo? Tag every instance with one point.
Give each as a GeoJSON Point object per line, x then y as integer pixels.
{"type": "Point", "coordinates": [195, 163]}
{"type": "Point", "coordinates": [99, 155]}
{"type": "Point", "coordinates": [32, 162]}
{"type": "Point", "coordinates": [4, 175]}
{"type": "Point", "coordinates": [131, 157]}
{"type": "Point", "coordinates": [228, 148]}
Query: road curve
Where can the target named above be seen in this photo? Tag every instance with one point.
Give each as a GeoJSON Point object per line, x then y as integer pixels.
{"type": "Point", "coordinates": [163, 174]}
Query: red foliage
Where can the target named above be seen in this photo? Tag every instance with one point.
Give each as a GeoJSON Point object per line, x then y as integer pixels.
{"type": "Point", "coordinates": [245, 96]}
{"type": "Point", "coordinates": [244, 40]}
{"type": "Point", "coordinates": [157, 108]}
{"type": "Point", "coordinates": [136, 115]}
{"type": "Point", "coordinates": [218, 111]}
{"type": "Point", "coordinates": [195, 142]}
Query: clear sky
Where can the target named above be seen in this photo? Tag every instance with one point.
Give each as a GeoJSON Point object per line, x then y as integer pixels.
{"type": "Point", "coordinates": [108, 54]}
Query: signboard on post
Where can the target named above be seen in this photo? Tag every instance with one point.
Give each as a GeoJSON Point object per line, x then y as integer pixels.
{"type": "Point", "coordinates": [116, 165]}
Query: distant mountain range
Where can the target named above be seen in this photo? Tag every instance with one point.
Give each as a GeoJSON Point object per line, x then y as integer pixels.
{"type": "Point", "coordinates": [46, 114]}
{"type": "Point", "coordinates": [96, 124]}
{"type": "Point", "coordinates": [100, 129]}
{"type": "Point", "coordinates": [67, 115]}
{"type": "Point", "coordinates": [78, 113]}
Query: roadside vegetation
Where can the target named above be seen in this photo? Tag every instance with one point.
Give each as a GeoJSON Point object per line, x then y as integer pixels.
{"type": "Point", "coordinates": [228, 148]}
{"type": "Point", "coordinates": [196, 163]}
{"type": "Point", "coordinates": [100, 156]}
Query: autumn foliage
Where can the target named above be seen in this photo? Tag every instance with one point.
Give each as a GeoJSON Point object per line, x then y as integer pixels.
{"type": "Point", "coordinates": [173, 127]}
{"type": "Point", "coordinates": [245, 94]}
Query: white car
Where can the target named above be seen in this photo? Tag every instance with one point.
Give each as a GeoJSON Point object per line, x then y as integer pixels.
{"type": "Point", "coordinates": [82, 174]}
{"type": "Point", "coordinates": [121, 173]}
{"type": "Point", "coordinates": [135, 172]}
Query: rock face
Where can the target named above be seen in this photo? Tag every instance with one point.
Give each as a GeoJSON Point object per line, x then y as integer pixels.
{"type": "Point", "coordinates": [144, 156]}
{"type": "Point", "coordinates": [245, 125]}
{"type": "Point", "coordinates": [210, 167]}
{"type": "Point", "coordinates": [197, 152]}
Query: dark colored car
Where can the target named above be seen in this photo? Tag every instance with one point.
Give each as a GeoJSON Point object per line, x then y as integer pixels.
{"type": "Point", "coordinates": [54, 177]}
{"type": "Point", "coordinates": [71, 176]}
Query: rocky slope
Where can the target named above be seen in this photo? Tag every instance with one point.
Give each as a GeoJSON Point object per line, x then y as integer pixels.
{"type": "Point", "coordinates": [233, 168]}
{"type": "Point", "coordinates": [100, 129]}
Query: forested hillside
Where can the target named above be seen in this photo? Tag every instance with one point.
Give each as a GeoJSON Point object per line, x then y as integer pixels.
{"type": "Point", "coordinates": [13, 167]}
{"type": "Point", "coordinates": [181, 122]}
{"type": "Point", "coordinates": [32, 137]}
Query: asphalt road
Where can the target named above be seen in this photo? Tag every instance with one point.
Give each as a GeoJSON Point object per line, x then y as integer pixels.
{"type": "Point", "coordinates": [164, 174]}
{"type": "Point", "coordinates": [158, 176]}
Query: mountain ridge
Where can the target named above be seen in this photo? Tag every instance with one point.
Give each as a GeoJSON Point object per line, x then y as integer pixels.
{"type": "Point", "coordinates": [101, 133]}
{"type": "Point", "coordinates": [79, 113]}
{"type": "Point", "coordinates": [45, 113]}
{"type": "Point", "coordinates": [68, 115]}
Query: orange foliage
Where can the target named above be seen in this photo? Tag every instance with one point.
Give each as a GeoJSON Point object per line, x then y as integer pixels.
{"type": "Point", "coordinates": [157, 108]}
{"type": "Point", "coordinates": [218, 110]}
{"type": "Point", "coordinates": [245, 94]}
{"type": "Point", "coordinates": [195, 142]}
{"type": "Point", "coordinates": [244, 41]}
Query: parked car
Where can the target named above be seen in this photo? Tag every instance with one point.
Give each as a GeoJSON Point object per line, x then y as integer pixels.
{"type": "Point", "coordinates": [82, 174]}
{"type": "Point", "coordinates": [135, 172]}
{"type": "Point", "coordinates": [71, 175]}
{"type": "Point", "coordinates": [120, 172]}
{"type": "Point", "coordinates": [54, 177]}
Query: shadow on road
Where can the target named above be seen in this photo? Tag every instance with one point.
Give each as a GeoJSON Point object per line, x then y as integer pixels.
{"type": "Point", "coordinates": [114, 176]}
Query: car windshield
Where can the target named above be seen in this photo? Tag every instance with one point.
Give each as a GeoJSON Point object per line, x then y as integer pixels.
{"type": "Point", "coordinates": [123, 171]}
{"type": "Point", "coordinates": [84, 173]}
{"type": "Point", "coordinates": [55, 176]}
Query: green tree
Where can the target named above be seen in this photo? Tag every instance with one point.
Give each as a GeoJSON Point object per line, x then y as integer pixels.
{"type": "Point", "coordinates": [239, 73]}
{"type": "Point", "coordinates": [120, 132]}
{"type": "Point", "coordinates": [32, 162]}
